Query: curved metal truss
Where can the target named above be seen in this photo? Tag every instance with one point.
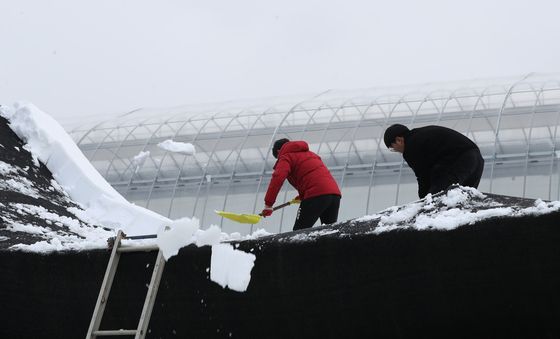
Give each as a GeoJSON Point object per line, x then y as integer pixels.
{"type": "Point", "coordinates": [514, 121]}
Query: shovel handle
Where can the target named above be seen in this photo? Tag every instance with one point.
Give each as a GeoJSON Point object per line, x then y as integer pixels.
{"type": "Point", "coordinates": [282, 206]}
{"type": "Point", "coordinates": [277, 207]}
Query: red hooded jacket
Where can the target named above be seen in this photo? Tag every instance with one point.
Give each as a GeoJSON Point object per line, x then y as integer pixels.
{"type": "Point", "coordinates": [304, 170]}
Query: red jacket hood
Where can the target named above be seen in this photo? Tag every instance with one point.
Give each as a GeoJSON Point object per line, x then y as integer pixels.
{"type": "Point", "coordinates": [293, 147]}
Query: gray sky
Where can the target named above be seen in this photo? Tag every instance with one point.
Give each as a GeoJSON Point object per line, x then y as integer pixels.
{"type": "Point", "coordinates": [79, 58]}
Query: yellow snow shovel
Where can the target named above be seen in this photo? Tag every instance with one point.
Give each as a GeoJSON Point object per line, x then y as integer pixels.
{"type": "Point", "coordinates": [252, 218]}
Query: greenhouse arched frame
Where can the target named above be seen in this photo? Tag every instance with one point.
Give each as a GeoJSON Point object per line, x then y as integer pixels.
{"type": "Point", "coordinates": [514, 121]}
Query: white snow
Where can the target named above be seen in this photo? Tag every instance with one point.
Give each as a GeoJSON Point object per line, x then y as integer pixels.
{"type": "Point", "coordinates": [409, 212]}
{"type": "Point", "coordinates": [453, 218]}
{"type": "Point", "coordinates": [211, 236]}
{"type": "Point", "coordinates": [49, 143]}
{"type": "Point", "coordinates": [74, 175]}
{"type": "Point", "coordinates": [230, 267]}
{"type": "Point", "coordinates": [21, 185]}
{"type": "Point", "coordinates": [16, 183]}
{"type": "Point", "coordinates": [425, 215]}
{"type": "Point", "coordinates": [312, 235]}
{"type": "Point", "coordinates": [179, 233]}
{"type": "Point", "coordinates": [84, 237]}
{"type": "Point", "coordinates": [6, 168]}
{"type": "Point", "coordinates": [139, 159]}
{"type": "Point", "coordinates": [260, 232]}
{"type": "Point", "coordinates": [177, 147]}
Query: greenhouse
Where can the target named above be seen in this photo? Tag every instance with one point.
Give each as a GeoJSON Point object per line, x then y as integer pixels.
{"type": "Point", "coordinates": [514, 121]}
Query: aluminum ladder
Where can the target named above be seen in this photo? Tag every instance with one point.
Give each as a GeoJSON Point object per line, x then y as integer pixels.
{"type": "Point", "coordinates": [140, 331]}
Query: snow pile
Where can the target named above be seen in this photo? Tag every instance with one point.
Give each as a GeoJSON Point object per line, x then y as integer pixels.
{"type": "Point", "coordinates": [458, 206]}
{"type": "Point", "coordinates": [177, 147]}
{"type": "Point", "coordinates": [48, 142]}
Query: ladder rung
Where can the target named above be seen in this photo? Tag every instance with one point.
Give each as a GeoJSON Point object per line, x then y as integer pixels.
{"type": "Point", "coordinates": [146, 248]}
{"type": "Point", "coordinates": [140, 332]}
{"type": "Point", "coordinates": [115, 332]}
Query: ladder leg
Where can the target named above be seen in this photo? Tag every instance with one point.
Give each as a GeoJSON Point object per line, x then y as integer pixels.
{"type": "Point", "coordinates": [105, 288]}
{"type": "Point", "coordinates": [150, 297]}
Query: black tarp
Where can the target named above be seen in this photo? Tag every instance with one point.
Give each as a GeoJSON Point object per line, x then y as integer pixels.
{"type": "Point", "coordinates": [496, 279]}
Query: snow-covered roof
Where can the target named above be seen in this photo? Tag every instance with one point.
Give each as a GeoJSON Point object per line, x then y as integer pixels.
{"type": "Point", "coordinates": [49, 143]}
{"type": "Point", "coordinates": [53, 199]}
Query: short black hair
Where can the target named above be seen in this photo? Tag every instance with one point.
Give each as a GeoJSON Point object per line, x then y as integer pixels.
{"type": "Point", "coordinates": [277, 146]}
{"type": "Point", "coordinates": [394, 131]}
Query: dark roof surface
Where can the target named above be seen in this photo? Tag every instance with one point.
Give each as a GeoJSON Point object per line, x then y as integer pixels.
{"type": "Point", "coordinates": [28, 192]}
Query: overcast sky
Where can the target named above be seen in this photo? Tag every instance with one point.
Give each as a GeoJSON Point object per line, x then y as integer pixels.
{"type": "Point", "coordinates": [102, 57]}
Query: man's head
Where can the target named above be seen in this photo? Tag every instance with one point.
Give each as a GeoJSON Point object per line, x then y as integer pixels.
{"type": "Point", "coordinates": [394, 137]}
{"type": "Point", "coordinates": [277, 146]}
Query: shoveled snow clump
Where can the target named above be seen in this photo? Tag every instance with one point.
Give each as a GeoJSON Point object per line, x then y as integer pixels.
{"type": "Point", "coordinates": [228, 267]}
{"type": "Point", "coordinates": [177, 147]}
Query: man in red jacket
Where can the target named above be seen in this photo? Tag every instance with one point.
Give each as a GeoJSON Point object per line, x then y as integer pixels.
{"type": "Point", "coordinates": [306, 172]}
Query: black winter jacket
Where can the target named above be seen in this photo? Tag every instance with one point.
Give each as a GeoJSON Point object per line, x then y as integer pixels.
{"type": "Point", "coordinates": [432, 148]}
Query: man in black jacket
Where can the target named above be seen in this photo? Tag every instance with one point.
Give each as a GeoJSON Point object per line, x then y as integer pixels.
{"type": "Point", "coordinates": [439, 156]}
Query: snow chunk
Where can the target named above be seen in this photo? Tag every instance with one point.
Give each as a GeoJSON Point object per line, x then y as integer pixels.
{"type": "Point", "coordinates": [140, 159]}
{"type": "Point", "coordinates": [231, 267]}
{"type": "Point", "coordinates": [211, 236]}
{"type": "Point", "coordinates": [177, 235]}
{"type": "Point", "coordinates": [177, 147]}
{"type": "Point", "coordinates": [455, 197]}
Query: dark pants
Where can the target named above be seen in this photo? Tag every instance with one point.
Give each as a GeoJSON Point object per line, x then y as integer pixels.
{"type": "Point", "coordinates": [466, 170]}
{"type": "Point", "coordinates": [323, 206]}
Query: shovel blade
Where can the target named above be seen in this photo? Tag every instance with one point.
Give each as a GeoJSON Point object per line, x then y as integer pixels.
{"type": "Point", "coordinates": [241, 218]}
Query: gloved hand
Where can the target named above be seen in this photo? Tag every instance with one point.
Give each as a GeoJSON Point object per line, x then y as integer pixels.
{"type": "Point", "coordinates": [267, 211]}
{"type": "Point", "coordinates": [295, 200]}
